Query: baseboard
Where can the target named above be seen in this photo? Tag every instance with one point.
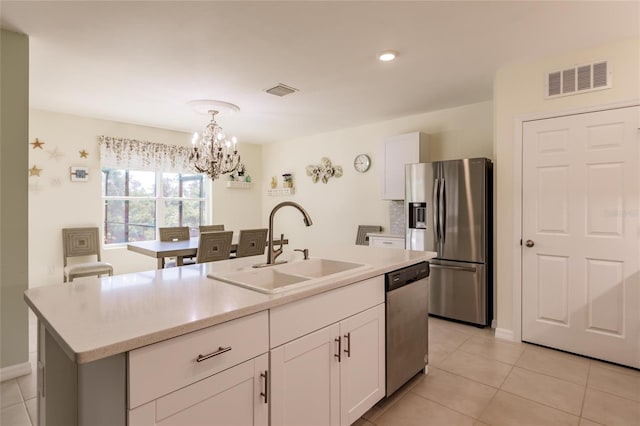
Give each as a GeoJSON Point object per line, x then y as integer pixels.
{"type": "Point", "coordinates": [505, 334]}
{"type": "Point", "coordinates": [16, 370]}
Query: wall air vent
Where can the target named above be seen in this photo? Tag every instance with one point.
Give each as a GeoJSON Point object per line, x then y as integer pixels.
{"type": "Point", "coordinates": [281, 90]}
{"type": "Point", "coordinates": [579, 79]}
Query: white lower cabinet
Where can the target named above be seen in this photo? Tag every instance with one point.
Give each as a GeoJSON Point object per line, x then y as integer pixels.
{"type": "Point", "coordinates": [214, 376]}
{"type": "Point", "coordinates": [237, 396]}
{"type": "Point", "coordinates": [331, 376]}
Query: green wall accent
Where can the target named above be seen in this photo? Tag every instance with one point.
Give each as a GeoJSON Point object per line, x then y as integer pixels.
{"type": "Point", "coordinates": [14, 213]}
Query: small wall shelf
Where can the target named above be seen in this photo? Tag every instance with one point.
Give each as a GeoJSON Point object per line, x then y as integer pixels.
{"type": "Point", "coordinates": [239, 185]}
{"type": "Point", "coordinates": [281, 191]}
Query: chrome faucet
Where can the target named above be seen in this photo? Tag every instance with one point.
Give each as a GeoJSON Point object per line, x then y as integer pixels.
{"type": "Point", "coordinates": [272, 253]}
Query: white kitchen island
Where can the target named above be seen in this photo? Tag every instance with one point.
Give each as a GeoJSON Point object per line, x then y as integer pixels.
{"type": "Point", "coordinates": [153, 347]}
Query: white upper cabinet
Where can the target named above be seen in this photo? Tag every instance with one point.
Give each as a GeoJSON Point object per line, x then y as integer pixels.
{"type": "Point", "coordinates": [398, 151]}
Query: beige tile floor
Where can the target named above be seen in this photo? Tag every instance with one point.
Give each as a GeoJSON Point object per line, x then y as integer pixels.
{"type": "Point", "coordinates": [18, 396]}
{"type": "Point", "coordinates": [477, 380]}
{"type": "Point", "coordinates": [473, 380]}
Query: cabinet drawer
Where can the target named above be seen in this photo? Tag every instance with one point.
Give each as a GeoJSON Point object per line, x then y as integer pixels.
{"type": "Point", "coordinates": [388, 242]}
{"type": "Point", "coordinates": [304, 316]}
{"type": "Point", "coordinates": [163, 367]}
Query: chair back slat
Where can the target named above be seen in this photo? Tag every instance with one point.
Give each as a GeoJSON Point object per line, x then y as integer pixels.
{"type": "Point", "coordinates": [211, 228]}
{"type": "Point", "coordinates": [252, 242]}
{"type": "Point", "coordinates": [80, 242]}
{"type": "Point", "coordinates": [214, 246]}
{"type": "Point", "coordinates": [174, 233]}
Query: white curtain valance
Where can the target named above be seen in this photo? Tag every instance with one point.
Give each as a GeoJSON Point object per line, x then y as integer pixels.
{"type": "Point", "coordinates": [122, 153]}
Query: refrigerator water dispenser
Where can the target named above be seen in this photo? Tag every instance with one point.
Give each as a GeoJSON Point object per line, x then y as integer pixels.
{"type": "Point", "coordinates": [418, 215]}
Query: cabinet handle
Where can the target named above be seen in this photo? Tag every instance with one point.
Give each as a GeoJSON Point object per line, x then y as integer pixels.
{"type": "Point", "coordinates": [265, 394]}
{"type": "Point", "coordinates": [339, 355]}
{"type": "Point", "coordinates": [220, 351]}
{"type": "Point", "coordinates": [348, 350]}
{"type": "Point", "coordinates": [387, 242]}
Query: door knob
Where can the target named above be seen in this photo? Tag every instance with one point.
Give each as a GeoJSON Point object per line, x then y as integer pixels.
{"type": "Point", "coordinates": [530, 243]}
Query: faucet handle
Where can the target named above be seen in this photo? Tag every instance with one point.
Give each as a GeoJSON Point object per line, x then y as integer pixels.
{"type": "Point", "coordinates": [281, 242]}
{"type": "Point", "coordinates": [305, 253]}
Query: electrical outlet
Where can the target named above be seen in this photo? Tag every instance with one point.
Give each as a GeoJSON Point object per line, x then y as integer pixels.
{"type": "Point", "coordinates": [51, 269]}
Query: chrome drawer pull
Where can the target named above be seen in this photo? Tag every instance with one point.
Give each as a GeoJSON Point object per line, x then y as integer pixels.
{"type": "Point", "coordinates": [348, 350]}
{"type": "Point", "coordinates": [339, 354]}
{"type": "Point", "coordinates": [220, 351]}
{"type": "Point", "coordinates": [265, 394]}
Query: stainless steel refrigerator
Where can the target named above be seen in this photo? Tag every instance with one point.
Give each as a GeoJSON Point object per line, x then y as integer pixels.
{"type": "Point", "coordinates": [448, 208]}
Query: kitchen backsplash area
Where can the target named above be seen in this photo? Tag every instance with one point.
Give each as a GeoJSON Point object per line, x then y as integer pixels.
{"type": "Point", "coordinates": [396, 217]}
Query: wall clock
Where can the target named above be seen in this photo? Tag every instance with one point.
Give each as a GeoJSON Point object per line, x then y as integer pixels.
{"type": "Point", "coordinates": [362, 163]}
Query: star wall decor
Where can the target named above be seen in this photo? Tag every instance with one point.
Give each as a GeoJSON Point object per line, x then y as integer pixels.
{"type": "Point", "coordinates": [37, 144]}
{"type": "Point", "coordinates": [56, 182]}
{"type": "Point", "coordinates": [84, 154]}
{"type": "Point", "coordinates": [34, 171]}
{"type": "Point", "coordinates": [55, 154]}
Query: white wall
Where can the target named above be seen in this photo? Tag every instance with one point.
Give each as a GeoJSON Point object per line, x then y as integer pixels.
{"type": "Point", "coordinates": [240, 208]}
{"type": "Point", "coordinates": [338, 207]}
{"type": "Point", "coordinates": [519, 90]}
{"type": "Point", "coordinates": [55, 202]}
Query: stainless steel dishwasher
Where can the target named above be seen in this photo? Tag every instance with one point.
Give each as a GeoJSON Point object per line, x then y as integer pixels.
{"type": "Point", "coordinates": [407, 327]}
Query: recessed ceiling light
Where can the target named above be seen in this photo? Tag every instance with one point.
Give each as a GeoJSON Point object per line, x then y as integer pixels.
{"type": "Point", "coordinates": [387, 55]}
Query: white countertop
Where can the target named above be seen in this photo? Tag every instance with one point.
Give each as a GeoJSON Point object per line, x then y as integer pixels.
{"type": "Point", "coordinates": [93, 318]}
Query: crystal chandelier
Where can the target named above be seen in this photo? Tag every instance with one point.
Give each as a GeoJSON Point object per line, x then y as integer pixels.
{"type": "Point", "coordinates": [213, 154]}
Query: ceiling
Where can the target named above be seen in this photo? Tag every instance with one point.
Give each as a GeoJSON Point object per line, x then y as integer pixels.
{"type": "Point", "coordinates": [141, 62]}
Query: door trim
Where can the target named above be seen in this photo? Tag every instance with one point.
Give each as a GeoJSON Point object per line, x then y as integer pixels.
{"type": "Point", "coordinates": [519, 121]}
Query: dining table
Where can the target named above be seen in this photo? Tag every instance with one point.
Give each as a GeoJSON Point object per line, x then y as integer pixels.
{"type": "Point", "coordinates": [160, 250]}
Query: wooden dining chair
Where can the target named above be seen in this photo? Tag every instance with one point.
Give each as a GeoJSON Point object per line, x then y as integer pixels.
{"type": "Point", "coordinates": [363, 230]}
{"type": "Point", "coordinates": [174, 233]}
{"type": "Point", "coordinates": [83, 242]}
{"type": "Point", "coordinates": [252, 242]}
{"type": "Point", "coordinates": [211, 228]}
{"type": "Point", "coordinates": [214, 246]}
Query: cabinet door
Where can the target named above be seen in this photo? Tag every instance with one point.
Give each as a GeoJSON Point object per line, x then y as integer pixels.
{"type": "Point", "coordinates": [362, 374]}
{"type": "Point", "coordinates": [305, 385]}
{"type": "Point", "coordinates": [398, 151]}
{"type": "Point", "coordinates": [232, 397]}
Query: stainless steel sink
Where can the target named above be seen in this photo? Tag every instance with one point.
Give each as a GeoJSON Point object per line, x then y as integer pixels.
{"type": "Point", "coordinates": [289, 276]}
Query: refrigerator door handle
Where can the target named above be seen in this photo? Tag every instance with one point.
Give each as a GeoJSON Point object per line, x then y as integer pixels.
{"type": "Point", "coordinates": [436, 210]}
{"type": "Point", "coordinates": [442, 211]}
{"type": "Point", "coordinates": [455, 268]}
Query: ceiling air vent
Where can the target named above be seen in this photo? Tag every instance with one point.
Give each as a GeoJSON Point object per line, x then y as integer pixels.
{"type": "Point", "coordinates": [281, 90]}
{"type": "Point", "coordinates": [580, 79]}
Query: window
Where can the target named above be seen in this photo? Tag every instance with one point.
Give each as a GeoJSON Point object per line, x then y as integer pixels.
{"type": "Point", "coordinates": [136, 203]}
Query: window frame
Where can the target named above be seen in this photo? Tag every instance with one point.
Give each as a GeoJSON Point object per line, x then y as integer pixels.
{"type": "Point", "coordinates": [159, 200]}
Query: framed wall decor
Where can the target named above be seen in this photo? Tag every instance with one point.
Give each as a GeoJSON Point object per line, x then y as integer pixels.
{"type": "Point", "coordinates": [79, 174]}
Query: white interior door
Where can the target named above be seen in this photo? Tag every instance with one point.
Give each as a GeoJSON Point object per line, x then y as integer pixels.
{"type": "Point", "coordinates": [581, 234]}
